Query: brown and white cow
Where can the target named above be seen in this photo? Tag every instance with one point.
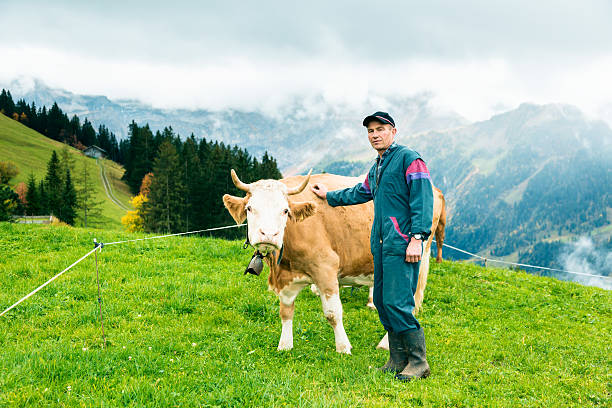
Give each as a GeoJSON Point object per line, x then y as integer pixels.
{"type": "Point", "coordinates": [321, 245]}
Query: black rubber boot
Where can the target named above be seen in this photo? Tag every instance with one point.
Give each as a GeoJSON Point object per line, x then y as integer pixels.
{"type": "Point", "coordinates": [398, 359]}
{"type": "Point", "coordinates": [414, 344]}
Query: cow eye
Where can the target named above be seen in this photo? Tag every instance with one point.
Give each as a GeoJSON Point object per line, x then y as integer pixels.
{"type": "Point", "coordinates": [286, 211]}
{"type": "Point", "coordinates": [248, 208]}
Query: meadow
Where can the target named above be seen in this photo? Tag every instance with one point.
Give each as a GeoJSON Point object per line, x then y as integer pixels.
{"type": "Point", "coordinates": [185, 328]}
{"type": "Point", "coordinates": [31, 151]}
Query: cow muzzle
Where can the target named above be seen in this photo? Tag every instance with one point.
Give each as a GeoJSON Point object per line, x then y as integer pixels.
{"type": "Point", "coordinates": [266, 247]}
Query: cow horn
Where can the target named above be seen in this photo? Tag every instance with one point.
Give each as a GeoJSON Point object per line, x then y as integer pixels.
{"type": "Point", "coordinates": [298, 189]}
{"type": "Point", "coordinates": [239, 184]}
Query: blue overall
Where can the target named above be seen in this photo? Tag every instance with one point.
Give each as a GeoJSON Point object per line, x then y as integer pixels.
{"type": "Point", "coordinates": [400, 185]}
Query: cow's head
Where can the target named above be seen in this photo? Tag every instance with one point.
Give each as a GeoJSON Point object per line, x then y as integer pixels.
{"type": "Point", "coordinates": [267, 208]}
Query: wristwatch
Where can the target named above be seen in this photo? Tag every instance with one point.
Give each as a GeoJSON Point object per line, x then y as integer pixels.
{"type": "Point", "coordinates": [419, 236]}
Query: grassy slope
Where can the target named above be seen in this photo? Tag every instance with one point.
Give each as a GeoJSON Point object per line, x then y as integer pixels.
{"type": "Point", "coordinates": [31, 151]}
{"type": "Point", "coordinates": [186, 328]}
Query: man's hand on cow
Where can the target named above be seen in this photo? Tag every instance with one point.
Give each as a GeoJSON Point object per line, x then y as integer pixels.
{"type": "Point", "coordinates": [413, 252]}
{"type": "Point", "coordinates": [320, 190]}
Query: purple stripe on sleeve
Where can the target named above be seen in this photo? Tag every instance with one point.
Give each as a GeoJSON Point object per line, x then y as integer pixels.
{"type": "Point", "coordinates": [366, 186]}
{"type": "Point", "coordinates": [417, 170]}
{"type": "Point", "coordinates": [397, 228]}
{"type": "Point", "coordinates": [414, 176]}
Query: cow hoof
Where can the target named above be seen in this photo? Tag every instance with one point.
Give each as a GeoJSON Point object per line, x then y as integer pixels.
{"type": "Point", "coordinates": [344, 348]}
{"type": "Point", "coordinates": [384, 343]}
{"type": "Point", "coordinates": [284, 347]}
{"type": "Point", "coordinates": [371, 306]}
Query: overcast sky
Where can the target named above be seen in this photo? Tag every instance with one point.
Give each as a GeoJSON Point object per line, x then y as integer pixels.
{"type": "Point", "coordinates": [473, 57]}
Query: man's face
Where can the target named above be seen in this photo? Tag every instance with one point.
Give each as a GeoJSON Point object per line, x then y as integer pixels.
{"type": "Point", "coordinates": [380, 135]}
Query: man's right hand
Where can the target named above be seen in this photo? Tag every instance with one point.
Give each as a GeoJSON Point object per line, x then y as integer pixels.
{"type": "Point", "coordinates": [320, 190]}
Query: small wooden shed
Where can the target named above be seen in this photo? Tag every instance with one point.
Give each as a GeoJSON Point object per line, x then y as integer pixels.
{"type": "Point", "coordinates": [95, 152]}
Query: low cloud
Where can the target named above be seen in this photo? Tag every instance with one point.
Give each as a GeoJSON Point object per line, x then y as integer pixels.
{"type": "Point", "coordinates": [476, 89]}
{"type": "Point", "coordinates": [585, 257]}
{"type": "Point", "coordinates": [474, 58]}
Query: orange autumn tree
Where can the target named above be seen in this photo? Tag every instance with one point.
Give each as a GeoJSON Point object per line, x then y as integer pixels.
{"type": "Point", "coordinates": [22, 191]}
{"type": "Point", "coordinates": [134, 220]}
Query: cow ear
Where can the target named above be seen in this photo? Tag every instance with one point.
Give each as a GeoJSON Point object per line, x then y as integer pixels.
{"type": "Point", "coordinates": [235, 206]}
{"type": "Point", "coordinates": [301, 211]}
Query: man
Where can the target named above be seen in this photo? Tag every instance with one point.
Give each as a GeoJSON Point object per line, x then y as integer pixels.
{"type": "Point", "coordinates": [400, 186]}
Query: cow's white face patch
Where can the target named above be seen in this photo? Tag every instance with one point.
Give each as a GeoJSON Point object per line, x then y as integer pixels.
{"type": "Point", "coordinates": [267, 213]}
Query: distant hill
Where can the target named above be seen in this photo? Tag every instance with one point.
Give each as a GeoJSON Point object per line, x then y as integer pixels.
{"type": "Point", "coordinates": [299, 135]}
{"type": "Point", "coordinates": [538, 174]}
{"type": "Point", "coordinates": [31, 151]}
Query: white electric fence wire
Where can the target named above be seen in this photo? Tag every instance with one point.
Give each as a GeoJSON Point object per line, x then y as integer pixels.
{"type": "Point", "coordinates": [527, 265]}
{"type": "Point", "coordinates": [48, 282]}
{"type": "Point", "coordinates": [241, 225]}
{"type": "Point", "coordinates": [111, 243]}
{"type": "Point", "coordinates": [173, 235]}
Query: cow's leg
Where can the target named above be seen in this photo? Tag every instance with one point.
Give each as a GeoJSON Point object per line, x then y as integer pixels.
{"type": "Point", "coordinates": [287, 297]}
{"type": "Point", "coordinates": [332, 309]}
{"type": "Point", "coordinates": [371, 299]}
{"type": "Point", "coordinates": [440, 232]}
{"type": "Point", "coordinates": [419, 294]}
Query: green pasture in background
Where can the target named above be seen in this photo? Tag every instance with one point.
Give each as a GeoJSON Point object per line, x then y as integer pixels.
{"type": "Point", "coordinates": [31, 152]}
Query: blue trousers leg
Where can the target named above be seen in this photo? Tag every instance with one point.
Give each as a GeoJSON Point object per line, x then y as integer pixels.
{"type": "Point", "coordinates": [395, 283]}
{"type": "Point", "coordinates": [377, 295]}
{"type": "Point", "coordinates": [399, 286]}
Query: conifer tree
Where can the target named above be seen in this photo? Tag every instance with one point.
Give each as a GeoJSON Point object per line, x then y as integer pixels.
{"type": "Point", "coordinates": [43, 198]}
{"type": "Point", "coordinates": [269, 169]}
{"type": "Point", "coordinates": [24, 112]}
{"type": "Point", "coordinates": [42, 121]}
{"type": "Point", "coordinates": [69, 201]}
{"type": "Point", "coordinates": [214, 171]}
{"type": "Point", "coordinates": [55, 122]}
{"type": "Point", "coordinates": [113, 149]}
{"type": "Point", "coordinates": [191, 173]}
{"type": "Point", "coordinates": [88, 134]}
{"type": "Point", "coordinates": [53, 185]}
{"type": "Point", "coordinates": [75, 131]}
{"type": "Point", "coordinates": [89, 207]}
{"type": "Point", "coordinates": [140, 155]}
{"type": "Point", "coordinates": [33, 115]}
{"type": "Point", "coordinates": [32, 197]}
{"type": "Point", "coordinates": [7, 105]}
{"type": "Point", "coordinates": [164, 209]}
{"type": "Point", "coordinates": [67, 162]}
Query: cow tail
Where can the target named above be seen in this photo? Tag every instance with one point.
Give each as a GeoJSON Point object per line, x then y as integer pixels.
{"type": "Point", "coordinates": [440, 231]}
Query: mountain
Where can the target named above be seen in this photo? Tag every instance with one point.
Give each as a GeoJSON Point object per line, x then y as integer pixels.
{"type": "Point", "coordinates": [536, 173]}
{"type": "Point", "coordinates": [519, 185]}
{"type": "Point", "coordinates": [299, 136]}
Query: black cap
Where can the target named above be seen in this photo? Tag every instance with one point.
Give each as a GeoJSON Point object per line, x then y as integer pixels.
{"type": "Point", "coordinates": [382, 117]}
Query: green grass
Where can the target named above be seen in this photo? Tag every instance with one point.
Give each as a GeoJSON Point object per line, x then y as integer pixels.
{"type": "Point", "coordinates": [186, 328]}
{"type": "Point", "coordinates": [31, 151]}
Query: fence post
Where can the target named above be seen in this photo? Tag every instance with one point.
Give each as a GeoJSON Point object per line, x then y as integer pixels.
{"type": "Point", "coordinates": [101, 245]}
